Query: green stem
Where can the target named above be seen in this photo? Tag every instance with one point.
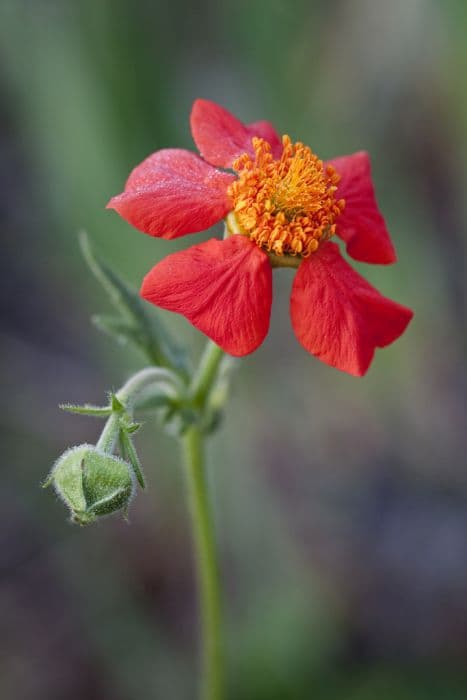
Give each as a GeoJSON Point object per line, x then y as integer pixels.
{"type": "Point", "coordinates": [203, 531]}
{"type": "Point", "coordinates": [109, 434]}
{"type": "Point", "coordinates": [128, 394]}
{"type": "Point", "coordinates": [206, 372]}
{"type": "Point", "coordinates": [139, 381]}
{"type": "Point", "coordinates": [207, 567]}
{"type": "Point", "coordinates": [202, 522]}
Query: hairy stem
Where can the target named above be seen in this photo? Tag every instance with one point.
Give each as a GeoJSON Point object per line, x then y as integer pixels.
{"type": "Point", "coordinates": [142, 379]}
{"type": "Point", "coordinates": [203, 531]}
{"type": "Point", "coordinates": [206, 373]}
{"type": "Point", "coordinates": [128, 395]}
{"type": "Point", "coordinates": [206, 565]}
{"type": "Point", "coordinates": [109, 434]}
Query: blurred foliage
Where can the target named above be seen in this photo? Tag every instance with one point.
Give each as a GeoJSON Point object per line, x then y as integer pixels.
{"type": "Point", "coordinates": [342, 507]}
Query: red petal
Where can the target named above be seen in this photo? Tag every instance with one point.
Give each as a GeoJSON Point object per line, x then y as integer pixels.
{"type": "Point", "coordinates": [172, 193]}
{"type": "Point", "coordinates": [224, 288]}
{"type": "Point", "coordinates": [361, 225]}
{"type": "Point", "coordinates": [221, 137]}
{"type": "Point", "coordinates": [338, 316]}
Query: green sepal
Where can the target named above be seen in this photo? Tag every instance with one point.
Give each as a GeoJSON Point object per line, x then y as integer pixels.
{"type": "Point", "coordinates": [108, 488]}
{"type": "Point", "coordinates": [138, 323]}
{"type": "Point", "coordinates": [133, 428]}
{"type": "Point", "coordinates": [117, 500]}
{"type": "Point", "coordinates": [48, 481]}
{"type": "Point", "coordinates": [91, 483]}
{"type": "Point", "coordinates": [87, 410]}
{"type": "Point", "coordinates": [129, 454]}
{"type": "Point", "coordinates": [117, 406]}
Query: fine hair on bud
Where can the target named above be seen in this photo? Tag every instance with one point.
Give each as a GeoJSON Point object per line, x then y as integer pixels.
{"type": "Point", "coordinates": [92, 483]}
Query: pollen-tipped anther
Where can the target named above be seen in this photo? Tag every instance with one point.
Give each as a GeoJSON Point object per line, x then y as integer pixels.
{"type": "Point", "coordinates": [286, 206]}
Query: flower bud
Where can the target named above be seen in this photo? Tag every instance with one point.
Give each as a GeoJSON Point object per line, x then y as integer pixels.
{"type": "Point", "coordinates": [91, 483]}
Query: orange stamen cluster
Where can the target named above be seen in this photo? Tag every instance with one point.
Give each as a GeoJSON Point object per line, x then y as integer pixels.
{"type": "Point", "coordinates": [285, 206]}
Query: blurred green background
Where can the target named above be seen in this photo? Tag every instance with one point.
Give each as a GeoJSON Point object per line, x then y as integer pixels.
{"type": "Point", "coordinates": [340, 503]}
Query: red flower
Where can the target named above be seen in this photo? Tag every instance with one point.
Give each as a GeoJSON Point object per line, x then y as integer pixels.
{"type": "Point", "coordinates": [282, 205]}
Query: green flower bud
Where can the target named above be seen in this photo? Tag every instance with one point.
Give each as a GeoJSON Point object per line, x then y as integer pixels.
{"type": "Point", "coordinates": [91, 483]}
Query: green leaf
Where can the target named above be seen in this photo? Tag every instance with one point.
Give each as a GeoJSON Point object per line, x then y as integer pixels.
{"type": "Point", "coordinates": [138, 322]}
{"type": "Point", "coordinates": [117, 327]}
{"type": "Point", "coordinates": [130, 455]}
{"type": "Point", "coordinates": [87, 410]}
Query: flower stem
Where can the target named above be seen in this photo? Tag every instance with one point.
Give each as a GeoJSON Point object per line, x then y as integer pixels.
{"type": "Point", "coordinates": [109, 435]}
{"type": "Point", "coordinates": [128, 395]}
{"type": "Point", "coordinates": [139, 381]}
{"type": "Point", "coordinates": [203, 531]}
{"type": "Point", "coordinates": [206, 372]}
{"type": "Point", "coordinates": [207, 567]}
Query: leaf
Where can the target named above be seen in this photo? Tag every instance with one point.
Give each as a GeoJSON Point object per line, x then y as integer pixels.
{"type": "Point", "coordinates": [87, 410]}
{"type": "Point", "coordinates": [130, 455]}
{"type": "Point", "coordinates": [117, 327]}
{"type": "Point", "coordinates": [138, 322]}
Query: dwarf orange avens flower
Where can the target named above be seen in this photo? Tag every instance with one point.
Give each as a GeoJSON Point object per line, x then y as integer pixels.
{"type": "Point", "coordinates": [282, 206]}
